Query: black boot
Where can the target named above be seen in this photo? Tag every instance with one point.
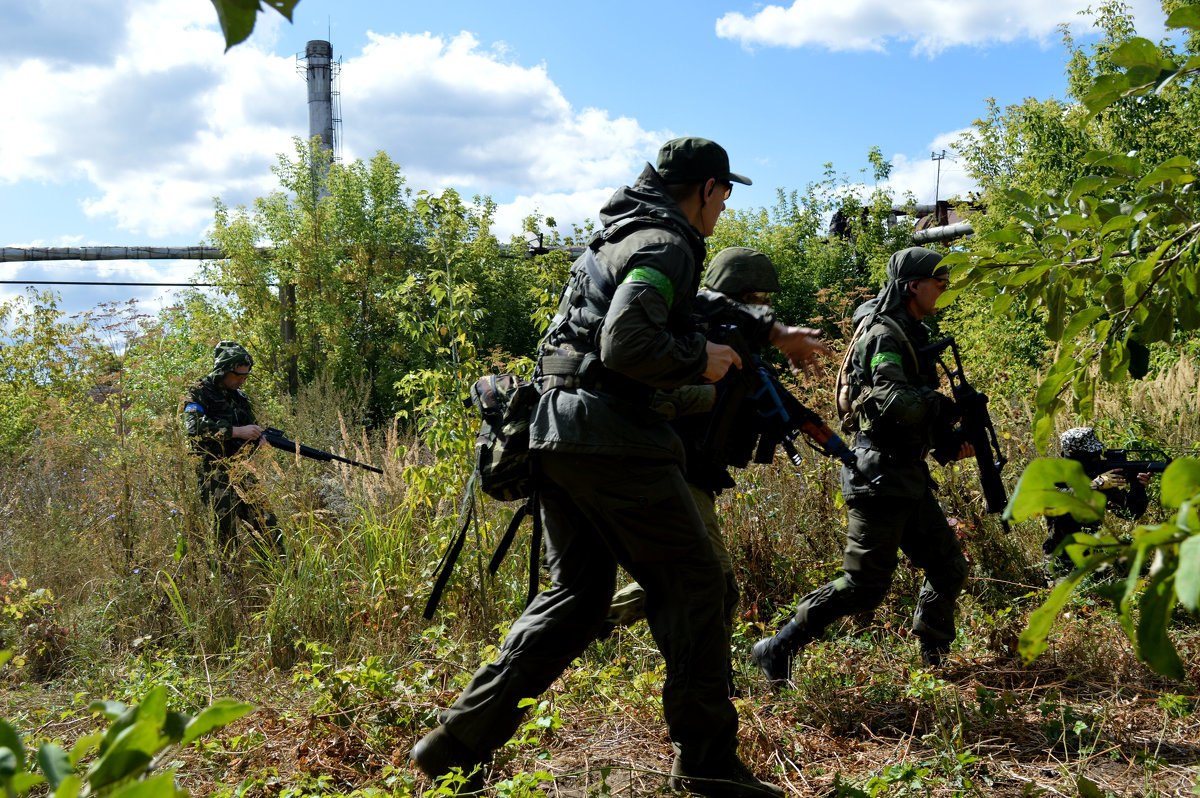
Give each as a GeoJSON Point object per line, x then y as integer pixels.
{"type": "Point", "coordinates": [932, 653]}
{"type": "Point", "coordinates": [439, 751]}
{"type": "Point", "coordinates": [727, 778]}
{"type": "Point", "coordinates": [773, 655]}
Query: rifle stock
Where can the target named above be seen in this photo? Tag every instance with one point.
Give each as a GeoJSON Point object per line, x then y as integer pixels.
{"type": "Point", "coordinates": [278, 438]}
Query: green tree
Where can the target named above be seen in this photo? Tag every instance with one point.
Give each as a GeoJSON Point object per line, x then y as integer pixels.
{"type": "Point", "coordinates": [1101, 245]}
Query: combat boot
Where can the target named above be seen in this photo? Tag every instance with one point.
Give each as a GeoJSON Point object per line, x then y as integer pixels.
{"type": "Point", "coordinates": [932, 653]}
{"type": "Point", "coordinates": [774, 655]}
{"type": "Point", "coordinates": [727, 778]}
{"type": "Point", "coordinates": [439, 751]}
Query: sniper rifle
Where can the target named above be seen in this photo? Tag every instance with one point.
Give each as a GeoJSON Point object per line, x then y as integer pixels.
{"type": "Point", "coordinates": [278, 438]}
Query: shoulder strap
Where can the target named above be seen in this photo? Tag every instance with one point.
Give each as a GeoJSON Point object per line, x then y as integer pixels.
{"type": "Point", "coordinates": [446, 566]}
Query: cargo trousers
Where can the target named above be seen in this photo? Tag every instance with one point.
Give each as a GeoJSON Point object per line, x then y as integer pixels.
{"type": "Point", "coordinates": [879, 528]}
{"type": "Point", "coordinates": [598, 512]}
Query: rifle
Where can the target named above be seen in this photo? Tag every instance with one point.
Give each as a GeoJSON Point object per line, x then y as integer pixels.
{"type": "Point", "coordinates": [781, 417]}
{"type": "Point", "coordinates": [1118, 460]}
{"type": "Point", "coordinates": [278, 439]}
{"type": "Point", "coordinates": [975, 427]}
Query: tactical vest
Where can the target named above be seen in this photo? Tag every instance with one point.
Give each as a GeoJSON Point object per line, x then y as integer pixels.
{"type": "Point", "coordinates": [570, 350]}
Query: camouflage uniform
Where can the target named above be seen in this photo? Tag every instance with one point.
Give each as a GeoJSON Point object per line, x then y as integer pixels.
{"type": "Point", "coordinates": [889, 496]}
{"type": "Point", "coordinates": [210, 414]}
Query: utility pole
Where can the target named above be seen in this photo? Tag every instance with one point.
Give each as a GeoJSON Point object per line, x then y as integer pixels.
{"type": "Point", "coordinates": [937, 186]}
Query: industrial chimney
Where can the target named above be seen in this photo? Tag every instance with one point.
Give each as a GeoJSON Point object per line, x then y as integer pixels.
{"type": "Point", "coordinates": [319, 76]}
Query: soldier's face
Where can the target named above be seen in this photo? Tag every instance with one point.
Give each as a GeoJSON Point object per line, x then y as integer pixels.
{"type": "Point", "coordinates": [236, 378]}
{"type": "Point", "coordinates": [713, 196]}
{"type": "Point", "coordinates": [925, 293]}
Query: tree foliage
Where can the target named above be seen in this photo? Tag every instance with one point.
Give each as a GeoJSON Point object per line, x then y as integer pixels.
{"type": "Point", "coordinates": [1094, 230]}
{"type": "Point", "coordinates": [237, 17]}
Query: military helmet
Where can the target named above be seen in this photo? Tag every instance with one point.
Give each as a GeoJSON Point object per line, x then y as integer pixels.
{"type": "Point", "coordinates": [1080, 440]}
{"type": "Point", "coordinates": [741, 270]}
{"type": "Point", "coordinates": [228, 355]}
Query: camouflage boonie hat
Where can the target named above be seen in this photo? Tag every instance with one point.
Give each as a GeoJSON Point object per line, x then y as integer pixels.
{"type": "Point", "coordinates": [741, 270]}
{"type": "Point", "coordinates": [1080, 440]}
{"type": "Point", "coordinates": [228, 355]}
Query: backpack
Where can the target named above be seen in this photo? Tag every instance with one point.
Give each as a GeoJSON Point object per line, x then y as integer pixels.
{"type": "Point", "coordinates": [503, 469]}
{"type": "Point", "coordinates": [848, 391]}
{"type": "Point", "coordinates": [505, 403]}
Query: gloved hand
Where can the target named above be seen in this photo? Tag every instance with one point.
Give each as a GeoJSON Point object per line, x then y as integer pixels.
{"type": "Point", "coordinates": [1109, 480]}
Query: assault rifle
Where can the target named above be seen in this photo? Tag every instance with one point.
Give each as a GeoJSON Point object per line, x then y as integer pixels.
{"type": "Point", "coordinates": [780, 417]}
{"type": "Point", "coordinates": [278, 439]}
{"type": "Point", "coordinates": [1118, 460]}
{"type": "Point", "coordinates": [974, 427]}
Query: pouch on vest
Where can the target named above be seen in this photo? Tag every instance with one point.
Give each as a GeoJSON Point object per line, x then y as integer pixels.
{"type": "Point", "coordinates": [505, 403]}
{"type": "Point", "coordinates": [848, 389]}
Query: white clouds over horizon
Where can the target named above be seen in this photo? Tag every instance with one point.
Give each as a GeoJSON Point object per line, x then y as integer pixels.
{"type": "Point", "coordinates": [161, 120]}
{"type": "Point", "coordinates": [927, 26]}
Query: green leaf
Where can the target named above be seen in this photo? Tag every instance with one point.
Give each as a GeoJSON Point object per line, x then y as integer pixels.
{"type": "Point", "coordinates": [237, 16]}
{"type": "Point", "coordinates": [1073, 222]}
{"type": "Point", "coordinates": [127, 755]}
{"type": "Point", "coordinates": [1087, 788]}
{"type": "Point", "coordinates": [55, 764]}
{"type": "Point", "coordinates": [1139, 359]}
{"type": "Point", "coordinates": [1021, 197]}
{"type": "Point", "coordinates": [1033, 639]}
{"type": "Point", "coordinates": [1184, 17]}
{"type": "Point", "coordinates": [8, 764]}
{"type": "Point", "coordinates": [1137, 52]}
{"type": "Point", "coordinates": [1180, 482]}
{"type": "Point", "coordinates": [1187, 574]}
{"type": "Point", "coordinates": [1154, 645]}
{"type": "Point", "coordinates": [1118, 222]}
{"type": "Point", "coordinates": [154, 705]}
{"type": "Point", "coordinates": [1080, 320]}
{"type": "Point", "coordinates": [12, 741]}
{"type": "Point", "coordinates": [1085, 185]}
{"type": "Point", "coordinates": [84, 746]}
{"type": "Point", "coordinates": [1124, 164]}
{"type": "Point", "coordinates": [1038, 493]}
{"type": "Point", "coordinates": [1005, 235]}
{"type": "Point", "coordinates": [160, 785]}
{"type": "Point", "coordinates": [5, 656]}
{"type": "Point", "coordinates": [175, 725]}
{"type": "Point", "coordinates": [109, 709]}
{"type": "Point", "coordinates": [222, 712]}
{"type": "Point", "coordinates": [1106, 90]}
{"type": "Point", "coordinates": [70, 788]}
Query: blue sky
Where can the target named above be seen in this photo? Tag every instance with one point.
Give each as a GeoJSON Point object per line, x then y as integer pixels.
{"type": "Point", "coordinates": [124, 118]}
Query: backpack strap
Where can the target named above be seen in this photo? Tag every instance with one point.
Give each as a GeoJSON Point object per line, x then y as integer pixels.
{"type": "Point", "coordinates": [446, 566]}
{"type": "Point", "coordinates": [533, 508]}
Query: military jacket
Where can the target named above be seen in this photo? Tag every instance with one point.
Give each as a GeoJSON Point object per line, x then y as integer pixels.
{"type": "Point", "coordinates": [605, 353]}
{"type": "Point", "coordinates": [900, 405]}
{"type": "Point", "coordinates": [210, 414]}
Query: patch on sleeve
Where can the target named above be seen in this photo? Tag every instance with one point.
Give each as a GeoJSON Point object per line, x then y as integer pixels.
{"type": "Point", "coordinates": [660, 281]}
{"type": "Point", "coordinates": [886, 357]}
{"type": "Point", "coordinates": [190, 406]}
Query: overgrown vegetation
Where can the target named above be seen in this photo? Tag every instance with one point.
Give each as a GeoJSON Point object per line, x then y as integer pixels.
{"type": "Point", "coordinates": [111, 587]}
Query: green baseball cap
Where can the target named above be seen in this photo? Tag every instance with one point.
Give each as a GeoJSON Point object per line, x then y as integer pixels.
{"type": "Point", "coordinates": [693, 160]}
{"type": "Point", "coordinates": [741, 270]}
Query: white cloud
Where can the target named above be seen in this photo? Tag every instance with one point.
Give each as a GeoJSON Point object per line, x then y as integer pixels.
{"type": "Point", "coordinates": [164, 120]}
{"type": "Point", "coordinates": [454, 113]}
{"type": "Point", "coordinates": [918, 174]}
{"type": "Point", "coordinates": [929, 26]}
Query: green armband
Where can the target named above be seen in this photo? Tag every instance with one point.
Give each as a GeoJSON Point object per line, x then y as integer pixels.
{"type": "Point", "coordinates": [660, 281]}
{"type": "Point", "coordinates": [886, 357]}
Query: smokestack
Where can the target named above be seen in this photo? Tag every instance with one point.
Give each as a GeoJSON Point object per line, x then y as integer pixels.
{"type": "Point", "coordinates": [319, 76]}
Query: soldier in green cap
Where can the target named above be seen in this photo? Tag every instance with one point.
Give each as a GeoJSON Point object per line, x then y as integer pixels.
{"type": "Point", "coordinates": [895, 409]}
{"type": "Point", "coordinates": [219, 421]}
{"type": "Point", "coordinates": [611, 482]}
{"type": "Point", "coordinates": [736, 293]}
